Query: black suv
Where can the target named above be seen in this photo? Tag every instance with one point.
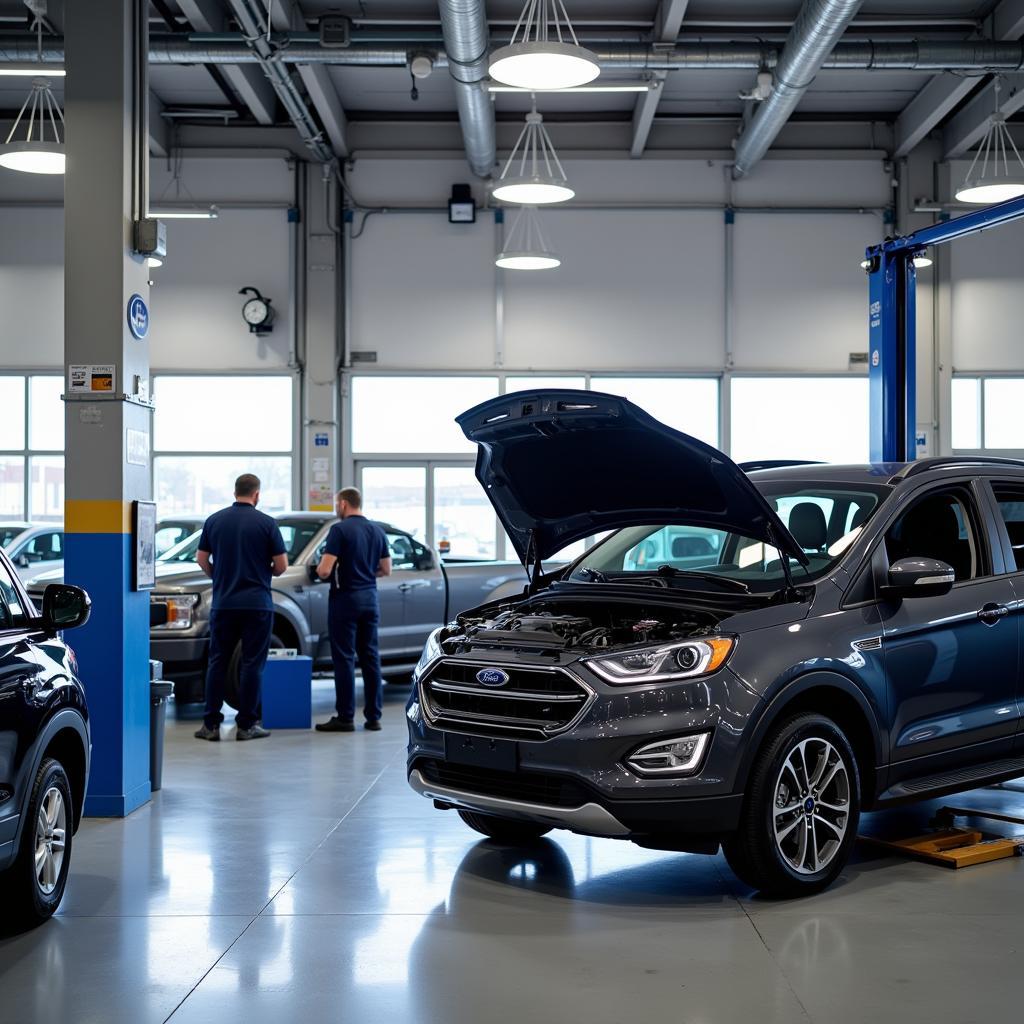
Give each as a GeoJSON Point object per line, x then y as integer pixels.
{"type": "Point", "coordinates": [44, 746]}
{"type": "Point", "coordinates": [749, 660]}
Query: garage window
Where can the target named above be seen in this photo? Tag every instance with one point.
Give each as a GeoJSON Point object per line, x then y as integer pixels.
{"type": "Point", "coordinates": [31, 447]}
{"type": "Point", "coordinates": [207, 430]}
{"type": "Point", "coordinates": [985, 414]}
{"type": "Point", "coordinates": [689, 404]}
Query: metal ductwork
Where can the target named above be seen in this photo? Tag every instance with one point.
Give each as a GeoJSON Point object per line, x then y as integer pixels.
{"type": "Point", "coordinates": [467, 42]}
{"type": "Point", "coordinates": [817, 29]}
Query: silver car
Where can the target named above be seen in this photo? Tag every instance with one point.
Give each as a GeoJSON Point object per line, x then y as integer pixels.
{"type": "Point", "coordinates": [33, 549]}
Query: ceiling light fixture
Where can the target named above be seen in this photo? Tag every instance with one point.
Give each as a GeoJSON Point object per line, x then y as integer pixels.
{"type": "Point", "coordinates": [533, 174]}
{"type": "Point", "coordinates": [1000, 178]}
{"type": "Point", "coordinates": [526, 248]}
{"type": "Point", "coordinates": [154, 261]}
{"type": "Point", "coordinates": [541, 55]}
{"type": "Point", "coordinates": [184, 213]}
{"type": "Point", "coordinates": [30, 69]}
{"type": "Point", "coordinates": [636, 87]}
{"type": "Point", "coordinates": [922, 259]}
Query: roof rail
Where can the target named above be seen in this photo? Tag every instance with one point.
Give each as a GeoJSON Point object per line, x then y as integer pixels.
{"type": "Point", "coordinates": [952, 462]}
{"type": "Point", "coordinates": [752, 466]}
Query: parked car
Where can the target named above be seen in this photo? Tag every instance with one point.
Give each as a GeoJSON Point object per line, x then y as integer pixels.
{"type": "Point", "coordinates": [44, 745]}
{"type": "Point", "coordinates": [853, 642]}
{"type": "Point", "coordinates": [33, 549]}
{"type": "Point", "coordinates": [173, 530]}
{"type": "Point", "coordinates": [419, 595]}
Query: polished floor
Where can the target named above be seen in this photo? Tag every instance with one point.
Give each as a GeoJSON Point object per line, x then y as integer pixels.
{"type": "Point", "coordinates": [298, 879]}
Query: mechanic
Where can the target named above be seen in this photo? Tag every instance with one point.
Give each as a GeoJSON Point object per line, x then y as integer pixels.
{"type": "Point", "coordinates": [355, 555]}
{"type": "Point", "coordinates": [240, 550]}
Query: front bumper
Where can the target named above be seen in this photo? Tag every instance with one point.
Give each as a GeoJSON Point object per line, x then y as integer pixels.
{"type": "Point", "coordinates": [183, 656]}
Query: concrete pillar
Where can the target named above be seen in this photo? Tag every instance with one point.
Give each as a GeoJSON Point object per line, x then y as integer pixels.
{"type": "Point", "coordinates": [109, 434]}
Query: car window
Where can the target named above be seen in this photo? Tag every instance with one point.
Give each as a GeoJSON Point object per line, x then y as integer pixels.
{"type": "Point", "coordinates": [9, 533]}
{"type": "Point", "coordinates": [12, 612]}
{"type": "Point", "coordinates": [168, 536]}
{"type": "Point", "coordinates": [1011, 507]}
{"type": "Point", "coordinates": [183, 551]}
{"type": "Point", "coordinates": [44, 547]}
{"type": "Point", "coordinates": [297, 534]}
{"type": "Point", "coordinates": [407, 553]}
{"type": "Point", "coordinates": [940, 525]}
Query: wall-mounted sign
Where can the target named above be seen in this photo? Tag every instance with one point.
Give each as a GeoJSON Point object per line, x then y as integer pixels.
{"type": "Point", "coordinates": [137, 447]}
{"type": "Point", "coordinates": [144, 536]}
{"type": "Point", "coordinates": [321, 440]}
{"type": "Point", "coordinates": [92, 379]}
{"type": "Point", "coordinates": [138, 317]}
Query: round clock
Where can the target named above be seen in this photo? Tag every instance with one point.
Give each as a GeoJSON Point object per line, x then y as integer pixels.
{"type": "Point", "coordinates": [257, 311]}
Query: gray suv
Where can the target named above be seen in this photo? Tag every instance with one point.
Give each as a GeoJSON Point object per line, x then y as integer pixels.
{"type": "Point", "coordinates": [747, 661]}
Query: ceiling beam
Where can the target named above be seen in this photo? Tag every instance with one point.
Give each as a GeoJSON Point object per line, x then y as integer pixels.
{"type": "Point", "coordinates": [159, 135]}
{"type": "Point", "coordinates": [667, 22]}
{"type": "Point", "coordinates": [246, 79]}
{"type": "Point", "coordinates": [968, 127]}
{"type": "Point", "coordinates": [944, 92]}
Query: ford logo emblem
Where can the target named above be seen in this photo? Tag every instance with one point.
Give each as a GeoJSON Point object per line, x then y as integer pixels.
{"type": "Point", "coordinates": [491, 677]}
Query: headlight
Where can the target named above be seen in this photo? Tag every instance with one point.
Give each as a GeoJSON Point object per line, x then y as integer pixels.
{"type": "Point", "coordinates": [660, 664]}
{"type": "Point", "coordinates": [431, 650]}
{"type": "Point", "coordinates": [680, 756]}
{"type": "Point", "coordinates": [179, 609]}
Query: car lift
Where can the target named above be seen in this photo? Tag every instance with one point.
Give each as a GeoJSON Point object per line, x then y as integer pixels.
{"type": "Point", "coordinates": [892, 281]}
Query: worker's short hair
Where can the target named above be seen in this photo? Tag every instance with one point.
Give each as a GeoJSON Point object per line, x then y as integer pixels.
{"type": "Point", "coordinates": [247, 485]}
{"type": "Point", "coordinates": [351, 496]}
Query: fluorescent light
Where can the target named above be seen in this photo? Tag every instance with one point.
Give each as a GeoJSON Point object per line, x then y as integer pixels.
{"type": "Point", "coordinates": [527, 261]}
{"type": "Point", "coordinates": [186, 213]}
{"type": "Point", "coordinates": [33, 157]}
{"type": "Point", "coordinates": [579, 88]}
{"type": "Point", "coordinates": [27, 69]}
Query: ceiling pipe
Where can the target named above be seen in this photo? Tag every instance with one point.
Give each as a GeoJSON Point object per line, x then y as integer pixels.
{"type": "Point", "coordinates": [818, 27]}
{"type": "Point", "coordinates": [467, 42]}
{"type": "Point", "coordinates": [977, 56]}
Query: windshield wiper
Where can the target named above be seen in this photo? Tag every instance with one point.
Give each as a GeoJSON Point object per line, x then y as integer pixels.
{"type": "Point", "coordinates": [710, 577]}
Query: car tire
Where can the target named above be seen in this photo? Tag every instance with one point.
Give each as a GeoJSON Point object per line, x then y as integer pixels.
{"type": "Point", "coordinates": [802, 808]}
{"type": "Point", "coordinates": [32, 894]}
{"type": "Point", "coordinates": [232, 685]}
{"type": "Point", "coordinates": [507, 830]}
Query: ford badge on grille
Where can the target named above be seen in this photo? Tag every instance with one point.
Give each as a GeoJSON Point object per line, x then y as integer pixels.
{"type": "Point", "coordinates": [491, 677]}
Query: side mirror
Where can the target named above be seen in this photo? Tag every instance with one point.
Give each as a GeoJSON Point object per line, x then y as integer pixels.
{"type": "Point", "coordinates": [425, 562]}
{"type": "Point", "coordinates": [311, 572]}
{"type": "Point", "coordinates": [918, 577]}
{"type": "Point", "coordinates": [64, 607]}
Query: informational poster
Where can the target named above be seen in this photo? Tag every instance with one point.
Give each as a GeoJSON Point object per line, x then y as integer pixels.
{"type": "Point", "coordinates": [137, 447]}
{"type": "Point", "coordinates": [92, 379]}
{"type": "Point", "coordinates": [144, 536]}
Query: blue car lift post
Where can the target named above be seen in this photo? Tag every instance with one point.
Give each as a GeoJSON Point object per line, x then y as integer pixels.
{"type": "Point", "coordinates": [892, 281]}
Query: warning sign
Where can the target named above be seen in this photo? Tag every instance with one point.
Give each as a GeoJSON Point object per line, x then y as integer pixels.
{"type": "Point", "coordinates": [92, 379]}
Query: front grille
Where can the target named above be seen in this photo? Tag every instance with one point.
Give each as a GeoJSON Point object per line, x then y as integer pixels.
{"type": "Point", "coordinates": [528, 786]}
{"type": "Point", "coordinates": [535, 702]}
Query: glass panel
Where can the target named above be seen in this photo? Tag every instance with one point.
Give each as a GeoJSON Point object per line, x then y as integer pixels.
{"type": "Point", "coordinates": [46, 414]}
{"type": "Point", "coordinates": [396, 495]}
{"type": "Point", "coordinates": [414, 414]}
{"type": "Point", "coordinates": [464, 522]}
{"type": "Point", "coordinates": [184, 485]}
{"type": "Point", "coordinates": [12, 614]}
{"type": "Point", "coordinates": [567, 554]}
{"type": "Point", "coordinates": [227, 414]}
{"type": "Point", "coordinates": [526, 383]}
{"type": "Point", "coordinates": [12, 413]}
{"type": "Point", "coordinates": [44, 547]}
{"type": "Point", "coordinates": [966, 412]}
{"type": "Point", "coordinates": [821, 419]}
{"type": "Point", "coordinates": [296, 534]}
{"type": "Point", "coordinates": [689, 404]}
{"type": "Point", "coordinates": [12, 486]}
{"type": "Point", "coordinates": [46, 488]}
{"type": "Point", "coordinates": [1004, 426]}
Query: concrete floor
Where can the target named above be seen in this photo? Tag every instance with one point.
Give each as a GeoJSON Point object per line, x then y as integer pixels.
{"type": "Point", "coordinates": [298, 879]}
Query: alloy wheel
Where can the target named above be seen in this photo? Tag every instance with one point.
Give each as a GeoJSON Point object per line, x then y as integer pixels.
{"type": "Point", "coordinates": [811, 809]}
{"type": "Point", "coordinates": [51, 833]}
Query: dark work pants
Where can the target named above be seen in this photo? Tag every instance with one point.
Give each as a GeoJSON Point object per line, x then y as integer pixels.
{"type": "Point", "coordinates": [230, 627]}
{"type": "Point", "coordinates": [352, 620]}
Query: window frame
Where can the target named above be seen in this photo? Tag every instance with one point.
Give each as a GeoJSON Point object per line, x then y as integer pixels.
{"type": "Point", "coordinates": [27, 453]}
{"type": "Point", "coordinates": [1009, 557]}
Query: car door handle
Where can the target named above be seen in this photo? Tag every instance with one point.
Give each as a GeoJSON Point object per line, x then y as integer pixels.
{"type": "Point", "coordinates": [991, 613]}
{"type": "Point", "coordinates": [404, 587]}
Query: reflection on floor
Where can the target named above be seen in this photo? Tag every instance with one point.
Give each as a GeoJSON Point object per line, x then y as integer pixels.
{"type": "Point", "coordinates": [298, 879]}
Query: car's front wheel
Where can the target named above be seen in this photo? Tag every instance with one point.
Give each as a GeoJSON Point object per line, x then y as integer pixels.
{"type": "Point", "coordinates": [508, 830]}
{"type": "Point", "coordinates": [800, 816]}
{"type": "Point", "coordinates": [34, 884]}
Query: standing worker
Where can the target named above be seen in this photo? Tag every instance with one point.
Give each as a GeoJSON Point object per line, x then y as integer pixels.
{"type": "Point", "coordinates": [240, 550]}
{"type": "Point", "coordinates": [355, 555]}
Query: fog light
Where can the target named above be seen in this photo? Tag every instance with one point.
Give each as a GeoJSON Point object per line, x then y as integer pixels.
{"type": "Point", "coordinates": [679, 756]}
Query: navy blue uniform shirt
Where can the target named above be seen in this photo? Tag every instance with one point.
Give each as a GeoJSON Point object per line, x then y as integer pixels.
{"type": "Point", "coordinates": [358, 545]}
{"type": "Point", "coordinates": [242, 541]}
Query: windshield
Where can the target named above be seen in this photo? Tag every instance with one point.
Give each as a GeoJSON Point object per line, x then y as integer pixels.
{"type": "Point", "coordinates": [9, 533]}
{"type": "Point", "coordinates": [183, 551]}
{"type": "Point", "coordinates": [297, 533]}
{"type": "Point", "coordinates": [824, 519]}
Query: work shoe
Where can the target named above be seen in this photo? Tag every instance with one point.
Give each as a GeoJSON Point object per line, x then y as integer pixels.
{"type": "Point", "coordinates": [254, 732]}
{"type": "Point", "coordinates": [373, 725]}
{"type": "Point", "coordinates": [213, 735]}
{"type": "Point", "coordinates": [335, 724]}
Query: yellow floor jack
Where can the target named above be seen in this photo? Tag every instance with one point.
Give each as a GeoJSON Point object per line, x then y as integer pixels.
{"type": "Point", "coordinates": [954, 847]}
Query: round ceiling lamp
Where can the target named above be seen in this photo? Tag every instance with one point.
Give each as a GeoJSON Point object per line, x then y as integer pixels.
{"type": "Point", "coordinates": [1000, 176]}
{"type": "Point", "coordinates": [526, 248]}
{"type": "Point", "coordinates": [544, 52]}
{"type": "Point", "coordinates": [533, 174]}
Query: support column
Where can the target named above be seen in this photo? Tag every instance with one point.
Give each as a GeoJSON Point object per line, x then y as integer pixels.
{"type": "Point", "coordinates": [108, 432]}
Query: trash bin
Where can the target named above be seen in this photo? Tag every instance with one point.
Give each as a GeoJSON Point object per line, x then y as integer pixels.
{"type": "Point", "coordinates": [159, 691]}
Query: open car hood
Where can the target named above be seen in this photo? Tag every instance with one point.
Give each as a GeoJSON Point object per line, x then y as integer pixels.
{"type": "Point", "coordinates": [561, 465]}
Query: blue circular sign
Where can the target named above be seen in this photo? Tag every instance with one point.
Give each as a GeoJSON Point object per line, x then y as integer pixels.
{"type": "Point", "coordinates": [138, 317]}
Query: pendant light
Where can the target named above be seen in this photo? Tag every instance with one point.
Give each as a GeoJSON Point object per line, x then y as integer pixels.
{"type": "Point", "coordinates": [526, 248]}
{"type": "Point", "coordinates": [533, 174]}
{"type": "Point", "coordinates": [544, 52]}
{"type": "Point", "coordinates": [32, 153]}
{"type": "Point", "coordinates": [1000, 176]}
